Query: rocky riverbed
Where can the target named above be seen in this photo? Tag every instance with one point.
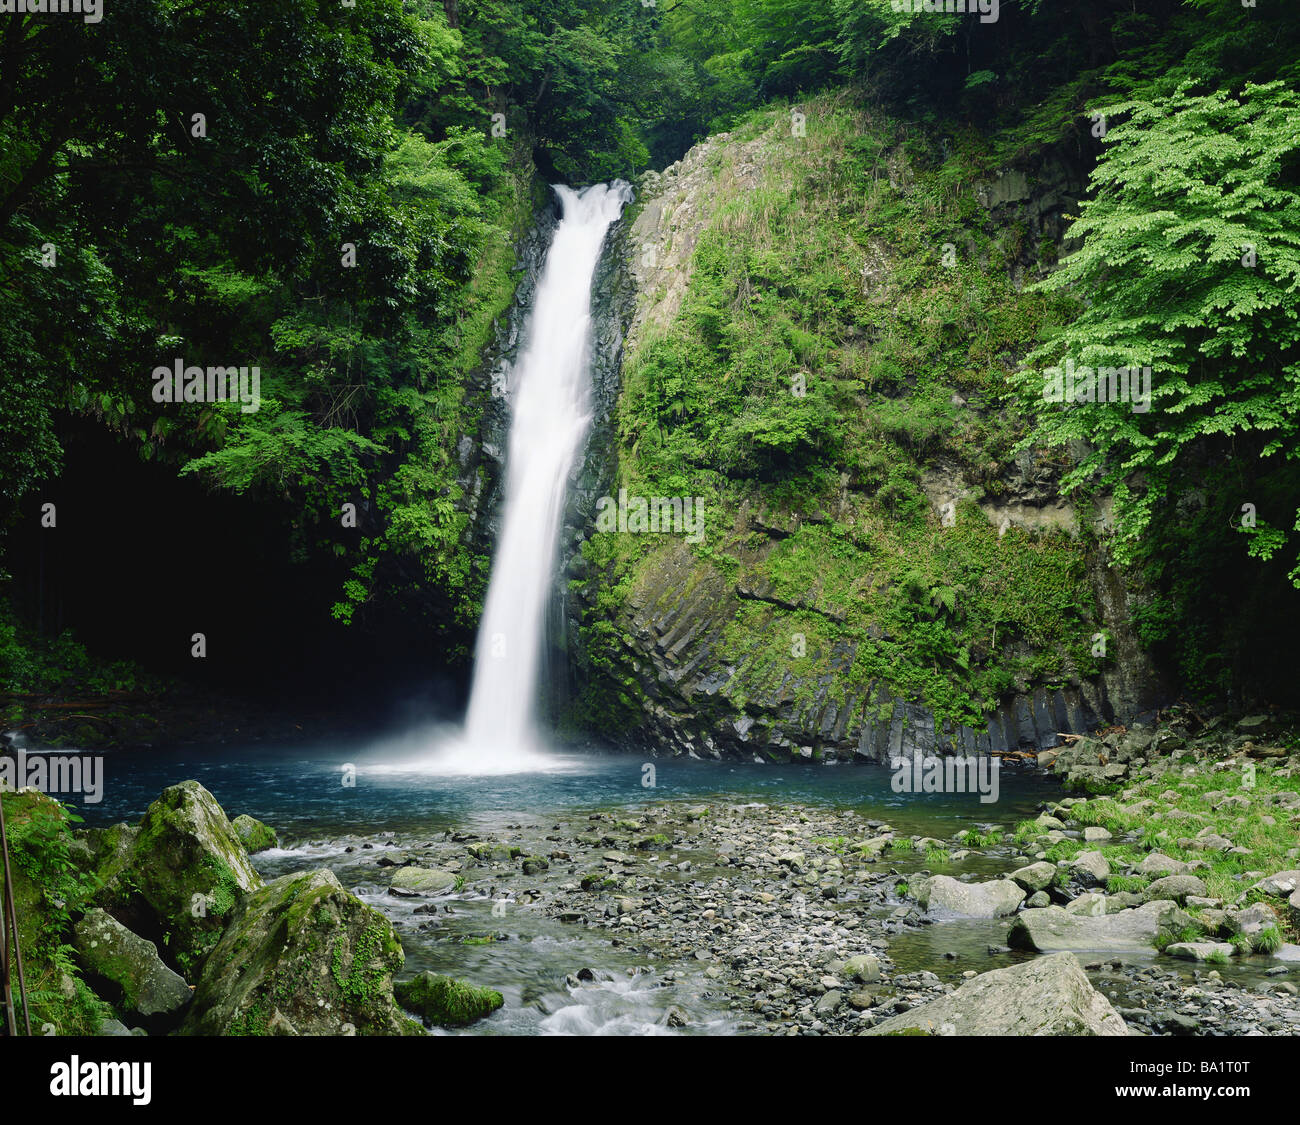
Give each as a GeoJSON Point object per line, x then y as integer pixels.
{"type": "Point", "coordinates": [784, 916]}
{"type": "Point", "coordinates": [1162, 897]}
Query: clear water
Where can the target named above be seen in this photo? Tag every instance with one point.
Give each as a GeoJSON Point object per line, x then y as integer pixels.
{"type": "Point", "coordinates": [300, 791]}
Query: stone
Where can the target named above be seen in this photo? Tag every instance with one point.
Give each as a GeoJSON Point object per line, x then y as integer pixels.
{"type": "Point", "coordinates": [253, 834]}
{"type": "Point", "coordinates": [1252, 919]}
{"type": "Point", "coordinates": [1052, 929]}
{"type": "Point", "coordinates": [829, 1003]}
{"type": "Point", "coordinates": [1035, 877]}
{"type": "Point", "coordinates": [1175, 887]}
{"type": "Point", "coordinates": [1090, 868]}
{"type": "Point", "coordinates": [1200, 950]}
{"type": "Point", "coordinates": [864, 968]}
{"type": "Point", "coordinates": [443, 1002]}
{"type": "Point", "coordinates": [1093, 902]}
{"type": "Point", "coordinates": [1047, 996]}
{"type": "Point", "coordinates": [994, 899]}
{"type": "Point", "coordinates": [1279, 885]}
{"type": "Point", "coordinates": [421, 881]}
{"type": "Point", "coordinates": [126, 969]}
{"type": "Point", "coordinates": [303, 956]}
{"type": "Point", "coordinates": [1094, 835]}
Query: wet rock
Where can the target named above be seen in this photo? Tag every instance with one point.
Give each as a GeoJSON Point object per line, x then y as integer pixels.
{"type": "Point", "coordinates": [1035, 877]}
{"type": "Point", "coordinates": [443, 1002]}
{"type": "Point", "coordinates": [186, 874]}
{"type": "Point", "coordinates": [421, 881]}
{"type": "Point", "coordinates": [1052, 929]}
{"type": "Point", "coordinates": [1200, 950]}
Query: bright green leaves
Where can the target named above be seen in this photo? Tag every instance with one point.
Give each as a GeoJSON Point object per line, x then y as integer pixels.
{"type": "Point", "coordinates": [1190, 265]}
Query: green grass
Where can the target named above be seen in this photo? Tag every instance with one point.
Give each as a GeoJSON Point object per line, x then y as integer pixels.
{"type": "Point", "coordinates": [1224, 873]}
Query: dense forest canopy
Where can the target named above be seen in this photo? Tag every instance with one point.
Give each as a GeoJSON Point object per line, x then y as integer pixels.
{"type": "Point", "coordinates": [331, 194]}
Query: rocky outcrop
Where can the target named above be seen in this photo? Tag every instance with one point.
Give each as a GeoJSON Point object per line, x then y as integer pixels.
{"type": "Point", "coordinates": [697, 703]}
{"type": "Point", "coordinates": [303, 956]}
{"type": "Point", "coordinates": [1048, 996]}
{"type": "Point", "coordinates": [674, 679]}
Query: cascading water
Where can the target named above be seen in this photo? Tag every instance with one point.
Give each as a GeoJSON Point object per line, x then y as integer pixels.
{"type": "Point", "coordinates": [551, 413]}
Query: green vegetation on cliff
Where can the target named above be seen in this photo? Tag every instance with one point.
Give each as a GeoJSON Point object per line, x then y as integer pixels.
{"type": "Point", "coordinates": [823, 358]}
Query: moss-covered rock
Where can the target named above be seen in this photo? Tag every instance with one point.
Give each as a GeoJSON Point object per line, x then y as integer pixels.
{"type": "Point", "coordinates": [253, 834]}
{"type": "Point", "coordinates": [303, 956]}
{"type": "Point", "coordinates": [128, 968]}
{"type": "Point", "coordinates": [186, 874]}
{"type": "Point", "coordinates": [444, 1002]}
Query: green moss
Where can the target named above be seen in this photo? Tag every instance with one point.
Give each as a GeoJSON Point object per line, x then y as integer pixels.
{"type": "Point", "coordinates": [445, 1002]}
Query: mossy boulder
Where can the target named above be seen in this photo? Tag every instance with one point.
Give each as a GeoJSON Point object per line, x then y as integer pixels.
{"type": "Point", "coordinates": [444, 1002]}
{"type": "Point", "coordinates": [186, 874]}
{"type": "Point", "coordinates": [127, 968]}
{"type": "Point", "coordinates": [106, 852]}
{"type": "Point", "coordinates": [253, 834]}
{"type": "Point", "coordinates": [302, 956]}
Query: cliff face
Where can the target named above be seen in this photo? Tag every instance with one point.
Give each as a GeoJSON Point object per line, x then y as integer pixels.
{"type": "Point", "coordinates": [903, 580]}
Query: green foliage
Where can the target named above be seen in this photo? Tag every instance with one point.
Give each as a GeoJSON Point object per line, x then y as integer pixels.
{"type": "Point", "coordinates": [1191, 260]}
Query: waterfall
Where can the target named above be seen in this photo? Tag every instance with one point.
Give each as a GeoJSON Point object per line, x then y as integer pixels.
{"type": "Point", "coordinates": [550, 417]}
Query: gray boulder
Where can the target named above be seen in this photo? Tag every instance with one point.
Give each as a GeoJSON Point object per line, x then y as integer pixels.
{"type": "Point", "coordinates": [1090, 868]}
{"type": "Point", "coordinates": [1035, 877]}
{"type": "Point", "coordinates": [422, 881]}
{"type": "Point", "coordinates": [1047, 996]}
{"type": "Point", "coordinates": [1052, 929]}
{"type": "Point", "coordinates": [970, 900]}
{"type": "Point", "coordinates": [1175, 887]}
{"type": "Point", "coordinates": [1158, 864]}
{"type": "Point", "coordinates": [1200, 950]}
{"type": "Point", "coordinates": [127, 969]}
